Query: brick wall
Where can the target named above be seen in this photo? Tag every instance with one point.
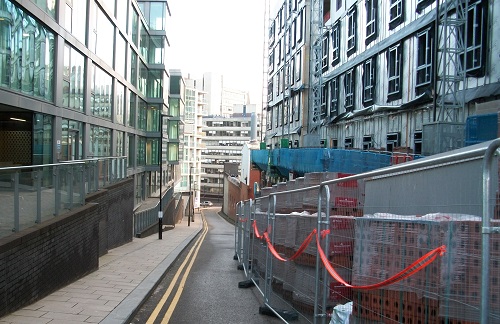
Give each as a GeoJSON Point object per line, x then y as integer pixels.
{"type": "Point", "coordinates": [116, 207]}
{"type": "Point", "coordinates": [39, 260]}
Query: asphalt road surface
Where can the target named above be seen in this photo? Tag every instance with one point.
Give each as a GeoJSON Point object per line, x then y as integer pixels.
{"type": "Point", "coordinates": [202, 285]}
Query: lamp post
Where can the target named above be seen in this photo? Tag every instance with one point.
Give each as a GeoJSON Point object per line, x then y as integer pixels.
{"type": "Point", "coordinates": [160, 160]}
{"type": "Point", "coordinates": [220, 181]}
{"type": "Point", "coordinates": [191, 205]}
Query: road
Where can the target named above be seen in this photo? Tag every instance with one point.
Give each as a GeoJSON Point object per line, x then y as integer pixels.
{"type": "Point", "coordinates": [206, 283]}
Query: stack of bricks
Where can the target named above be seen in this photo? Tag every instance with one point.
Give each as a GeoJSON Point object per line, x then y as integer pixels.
{"type": "Point", "coordinates": [347, 198]}
{"type": "Point", "coordinates": [463, 297]}
{"type": "Point", "coordinates": [385, 306]}
{"type": "Point", "coordinates": [310, 198]}
{"type": "Point", "coordinates": [341, 241]}
{"type": "Point", "coordinates": [447, 288]}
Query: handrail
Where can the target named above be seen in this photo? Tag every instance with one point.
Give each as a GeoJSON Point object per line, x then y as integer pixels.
{"type": "Point", "coordinates": [36, 166]}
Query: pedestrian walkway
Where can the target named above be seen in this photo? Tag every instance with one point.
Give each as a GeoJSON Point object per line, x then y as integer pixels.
{"type": "Point", "coordinates": [111, 294]}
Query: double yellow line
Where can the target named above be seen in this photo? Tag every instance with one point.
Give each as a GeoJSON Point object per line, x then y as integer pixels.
{"type": "Point", "coordinates": [191, 257]}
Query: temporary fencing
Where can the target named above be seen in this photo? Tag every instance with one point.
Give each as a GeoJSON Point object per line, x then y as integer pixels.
{"type": "Point", "coordinates": [394, 245]}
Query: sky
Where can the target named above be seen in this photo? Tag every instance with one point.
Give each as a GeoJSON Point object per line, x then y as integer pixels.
{"type": "Point", "coordinates": [220, 36]}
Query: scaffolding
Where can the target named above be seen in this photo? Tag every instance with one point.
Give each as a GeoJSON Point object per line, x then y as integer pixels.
{"type": "Point", "coordinates": [315, 72]}
{"type": "Point", "coordinates": [451, 61]}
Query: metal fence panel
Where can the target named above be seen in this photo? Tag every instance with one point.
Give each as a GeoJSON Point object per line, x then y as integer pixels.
{"type": "Point", "coordinates": [404, 244]}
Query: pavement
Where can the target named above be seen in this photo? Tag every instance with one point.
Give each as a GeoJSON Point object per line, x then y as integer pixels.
{"type": "Point", "coordinates": [125, 278]}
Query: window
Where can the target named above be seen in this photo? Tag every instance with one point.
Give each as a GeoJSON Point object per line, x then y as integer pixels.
{"type": "Point", "coordinates": [371, 21]}
{"type": "Point", "coordinates": [270, 90]}
{"type": "Point", "coordinates": [298, 66]}
{"type": "Point", "coordinates": [157, 15]}
{"type": "Point", "coordinates": [324, 99]}
{"type": "Point", "coordinates": [339, 4]}
{"type": "Point", "coordinates": [392, 141]}
{"type": "Point", "coordinates": [417, 142]}
{"type": "Point", "coordinates": [73, 78]}
{"type": "Point", "coordinates": [351, 31]}
{"type": "Point", "coordinates": [278, 83]}
{"type": "Point", "coordinates": [334, 97]}
{"type": "Point", "coordinates": [291, 109]}
{"type": "Point", "coordinates": [131, 115]}
{"type": "Point", "coordinates": [271, 61]}
{"type": "Point", "coordinates": [367, 142]}
{"type": "Point", "coordinates": [300, 26]}
{"type": "Point", "coordinates": [276, 116]}
{"type": "Point", "coordinates": [394, 55]}
{"type": "Point", "coordinates": [476, 38]}
{"type": "Point", "coordinates": [119, 103]}
{"type": "Point", "coordinates": [297, 106]}
{"type": "Point", "coordinates": [75, 19]}
{"type": "Point", "coordinates": [99, 141]}
{"type": "Point", "coordinates": [269, 119]}
{"type": "Point", "coordinates": [325, 51]}
{"type": "Point", "coordinates": [369, 68]}
{"type": "Point", "coordinates": [101, 94]}
{"type": "Point", "coordinates": [348, 143]}
{"type": "Point", "coordinates": [271, 33]}
{"type": "Point", "coordinates": [425, 45]}
{"type": "Point", "coordinates": [278, 48]}
{"type": "Point", "coordinates": [422, 4]}
{"type": "Point", "coordinates": [349, 90]}
{"type": "Point", "coordinates": [336, 44]}
{"type": "Point", "coordinates": [396, 13]}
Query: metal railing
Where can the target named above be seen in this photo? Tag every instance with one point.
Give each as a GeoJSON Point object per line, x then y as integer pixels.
{"type": "Point", "coordinates": [31, 194]}
{"type": "Point", "coordinates": [402, 244]}
{"type": "Point", "coordinates": [144, 219]}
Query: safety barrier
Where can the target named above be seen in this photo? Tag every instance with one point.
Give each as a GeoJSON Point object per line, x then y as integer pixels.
{"type": "Point", "coordinates": [32, 194]}
{"type": "Point", "coordinates": [402, 244]}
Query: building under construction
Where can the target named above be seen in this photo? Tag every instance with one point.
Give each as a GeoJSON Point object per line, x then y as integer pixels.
{"type": "Point", "coordinates": [412, 76]}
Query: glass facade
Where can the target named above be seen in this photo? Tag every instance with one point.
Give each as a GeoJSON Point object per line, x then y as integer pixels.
{"type": "Point", "coordinates": [94, 112]}
{"type": "Point", "coordinates": [131, 115]}
{"type": "Point", "coordinates": [42, 139]}
{"type": "Point", "coordinates": [26, 53]}
{"type": "Point", "coordinates": [120, 55]}
{"type": "Point", "coordinates": [101, 93]}
{"type": "Point", "coordinates": [101, 34]}
{"type": "Point", "coordinates": [73, 78]}
{"type": "Point", "coordinates": [119, 103]}
{"type": "Point", "coordinates": [153, 118]}
{"type": "Point", "coordinates": [152, 150]}
{"type": "Point", "coordinates": [99, 141]}
{"type": "Point", "coordinates": [71, 140]}
{"type": "Point", "coordinates": [141, 123]}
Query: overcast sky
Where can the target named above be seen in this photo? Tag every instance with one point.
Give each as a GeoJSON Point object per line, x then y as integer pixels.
{"type": "Point", "coordinates": [223, 36]}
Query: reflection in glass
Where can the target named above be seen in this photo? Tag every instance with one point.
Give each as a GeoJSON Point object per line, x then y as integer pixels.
{"type": "Point", "coordinates": [120, 54]}
{"type": "Point", "coordinates": [120, 143]}
{"type": "Point", "coordinates": [141, 151]}
{"type": "Point", "coordinates": [131, 115]}
{"type": "Point", "coordinates": [174, 107]}
{"type": "Point", "coordinates": [26, 53]}
{"type": "Point", "coordinates": [71, 140]}
{"type": "Point", "coordinates": [133, 68]}
{"type": "Point", "coordinates": [173, 129]}
{"type": "Point", "coordinates": [120, 103]}
{"type": "Point", "coordinates": [142, 115]}
{"type": "Point", "coordinates": [173, 152]}
{"type": "Point", "coordinates": [144, 42]}
{"type": "Point", "coordinates": [42, 139]}
{"type": "Point", "coordinates": [99, 141]}
{"type": "Point", "coordinates": [73, 78]}
{"type": "Point", "coordinates": [152, 148]}
{"type": "Point", "coordinates": [134, 27]}
{"type": "Point", "coordinates": [156, 49]}
{"type": "Point", "coordinates": [49, 6]}
{"type": "Point", "coordinates": [101, 94]}
{"type": "Point", "coordinates": [155, 84]}
{"type": "Point", "coordinates": [153, 118]}
{"type": "Point", "coordinates": [157, 15]}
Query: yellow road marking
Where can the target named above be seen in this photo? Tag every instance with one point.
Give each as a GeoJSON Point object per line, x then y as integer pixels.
{"type": "Point", "coordinates": [163, 300]}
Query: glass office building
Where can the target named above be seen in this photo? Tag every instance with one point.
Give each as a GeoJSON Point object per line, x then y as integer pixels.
{"type": "Point", "coordinates": [83, 79]}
